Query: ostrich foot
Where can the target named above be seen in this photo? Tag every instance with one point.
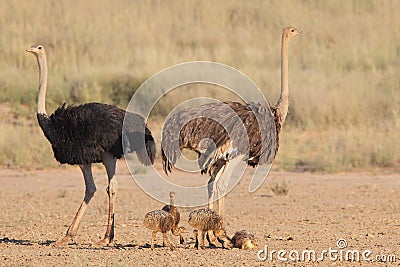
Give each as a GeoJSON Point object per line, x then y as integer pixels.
{"type": "Point", "coordinates": [105, 242]}
{"type": "Point", "coordinates": [63, 242]}
{"type": "Point", "coordinates": [211, 240]}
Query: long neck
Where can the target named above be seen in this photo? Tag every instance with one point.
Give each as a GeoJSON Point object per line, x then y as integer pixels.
{"type": "Point", "coordinates": [282, 105]}
{"type": "Point", "coordinates": [171, 203]}
{"type": "Point", "coordinates": [41, 104]}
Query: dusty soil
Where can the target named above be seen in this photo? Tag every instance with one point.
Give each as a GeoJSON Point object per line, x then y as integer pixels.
{"type": "Point", "coordinates": [37, 207]}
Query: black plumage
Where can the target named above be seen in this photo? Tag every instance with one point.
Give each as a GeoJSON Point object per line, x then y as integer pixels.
{"type": "Point", "coordinates": [91, 133]}
{"type": "Point", "coordinates": [81, 134]}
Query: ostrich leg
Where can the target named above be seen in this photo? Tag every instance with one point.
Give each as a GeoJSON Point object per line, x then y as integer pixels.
{"type": "Point", "coordinates": [222, 186]}
{"type": "Point", "coordinates": [153, 238]}
{"type": "Point", "coordinates": [168, 242]}
{"type": "Point", "coordinates": [110, 163]}
{"type": "Point", "coordinates": [196, 237]}
{"type": "Point", "coordinates": [89, 193]}
{"type": "Point", "coordinates": [212, 189]}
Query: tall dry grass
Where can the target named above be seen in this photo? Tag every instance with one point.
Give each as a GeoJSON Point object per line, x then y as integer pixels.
{"type": "Point", "coordinates": [344, 110]}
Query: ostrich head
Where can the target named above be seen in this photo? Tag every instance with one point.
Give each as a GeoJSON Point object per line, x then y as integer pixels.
{"type": "Point", "coordinates": [181, 230]}
{"type": "Point", "coordinates": [37, 50]}
{"type": "Point", "coordinates": [290, 32]}
{"type": "Point", "coordinates": [223, 238]}
{"type": "Point", "coordinates": [250, 244]}
{"type": "Point", "coordinates": [219, 232]}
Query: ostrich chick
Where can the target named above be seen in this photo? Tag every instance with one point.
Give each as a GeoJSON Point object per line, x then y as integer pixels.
{"type": "Point", "coordinates": [171, 209]}
{"type": "Point", "coordinates": [244, 240]}
{"type": "Point", "coordinates": [205, 220]}
{"type": "Point", "coordinates": [161, 221]}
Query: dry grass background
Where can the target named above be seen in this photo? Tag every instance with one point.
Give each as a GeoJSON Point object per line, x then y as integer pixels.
{"type": "Point", "coordinates": [344, 82]}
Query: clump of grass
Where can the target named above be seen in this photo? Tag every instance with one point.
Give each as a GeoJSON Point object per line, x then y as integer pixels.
{"type": "Point", "coordinates": [24, 146]}
{"type": "Point", "coordinates": [140, 169]}
{"type": "Point", "coordinates": [344, 149]}
{"type": "Point", "coordinates": [279, 189]}
{"type": "Point", "coordinates": [121, 89]}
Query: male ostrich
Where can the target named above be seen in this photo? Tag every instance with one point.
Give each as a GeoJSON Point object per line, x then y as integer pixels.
{"type": "Point", "coordinates": [91, 133]}
{"type": "Point", "coordinates": [218, 158]}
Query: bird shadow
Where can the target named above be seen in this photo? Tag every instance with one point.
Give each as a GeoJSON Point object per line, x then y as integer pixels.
{"type": "Point", "coordinates": [265, 195]}
{"type": "Point", "coordinates": [90, 246]}
{"type": "Point", "coordinates": [22, 242]}
{"type": "Point", "coordinates": [157, 246]}
{"type": "Point", "coordinates": [191, 245]}
{"type": "Point", "coordinates": [147, 245]}
{"type": "Point", "coordinates": [50, 243]}
{"type": "Point", "coordinates": [47, 242]}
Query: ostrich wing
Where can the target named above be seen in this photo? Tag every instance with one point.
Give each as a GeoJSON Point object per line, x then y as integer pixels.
{"type": "Point", "coordinates": [81, 134]}
{"type": "Point", "coordinates": [137, 137]}
{"type": "Point", "coordinates": [220, 131]}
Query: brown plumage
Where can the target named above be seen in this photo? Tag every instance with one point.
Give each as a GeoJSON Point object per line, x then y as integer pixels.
{"type": "Point", "coordinates": [205, 220]}
{"type": "Point", "coordinates": [244, 240]}
{"type": "Point", "coordinates": [213, 156]}
{"type": "Point", "coordinates": [171, 209]}
{"type": "Point", "coordinates": [217, 132]}
{"type": "Point", "coordinates": [161, 221]}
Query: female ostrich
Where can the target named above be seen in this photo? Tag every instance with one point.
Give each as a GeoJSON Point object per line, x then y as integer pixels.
{"type": "Point", "coordinates": [91, 133]}
{"type": "Point", "coordinates": [219, 158]}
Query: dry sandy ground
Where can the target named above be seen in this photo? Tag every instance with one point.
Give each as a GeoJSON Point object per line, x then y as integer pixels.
{"type": "Point", "coordinates": [37, 206]}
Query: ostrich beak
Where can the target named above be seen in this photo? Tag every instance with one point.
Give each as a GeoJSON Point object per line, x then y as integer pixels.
{"type": "Point", "coordinates": [29, 50]}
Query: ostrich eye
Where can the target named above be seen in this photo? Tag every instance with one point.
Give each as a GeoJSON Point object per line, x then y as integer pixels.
{"type": "Point", "coordinates": [39, 47]}
{"type": "Point", "coordinates": [292, 30]}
